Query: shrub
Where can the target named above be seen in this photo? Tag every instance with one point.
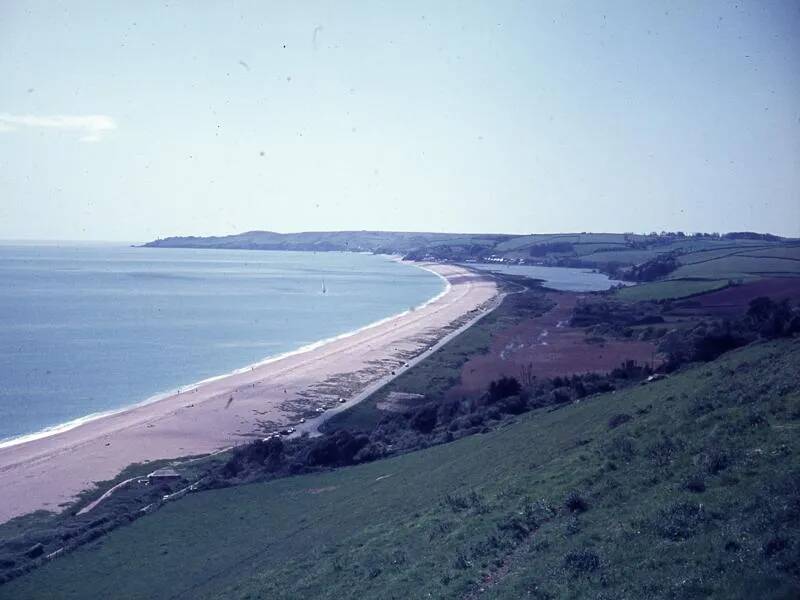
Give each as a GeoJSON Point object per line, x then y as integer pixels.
{"type": "Point", "coordinates": [774, 545]}
{"type": "Point", "coordinates": [560, 395]}
{"type": "Point", "coordinates": [756, 419]}
{"type": "Point", "coordinates": [517, 527]}
{"type": "Point", "coordinates": [582, 561]}
{"type": "Point", "coordinates": [461, 561]}
{"type": "Point", "coordinates": [232, 467]}
{"type": "Point", "coordinates": [715, 343]}
{"type": "Point", "coordinates": [695, 483]}
{"type": "Point", "coordinates": [772, 319]}
{"type": "Point", "coordinates": [680, 521]}
{"type": "Point", "coordinates": [554, 247]}
{"type": "Point", "coordinates": [338, 448]}
{"type": "Point", "coordinates": [503, 388]}
{"type": "Point", "coordinates": [618, 420]}
{"type": "Point", "coordinates": [715, 461]}
{"type": "Point", "coordinates": [447, 411]}
{"type": "Point", "coordinates": [476, 419]}
{"type": "Point", "coordinates": [459, 423]}
{"type": "Point", "coordinates": [515, 405]}
{"type": "Point", "coordinates": [458, 503]}
{"type": "Point", "coordinates": [370, 452]}
{"type": "Point", "coordinates": [259, 450]}
{"type": "Point", "coordinates": [575, 502]}
{"type": "Point", "coordinates": [662, 453]}
{"type": "Point", "coordinates": [424, 420]}
{"type": "Point", "coordinates": [621, 447]}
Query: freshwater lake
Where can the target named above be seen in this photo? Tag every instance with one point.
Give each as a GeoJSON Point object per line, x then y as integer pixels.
{"type": "Point", "coordinates": [557, 278]}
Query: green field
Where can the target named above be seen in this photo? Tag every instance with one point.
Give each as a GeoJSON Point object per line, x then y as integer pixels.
{"type": "Point", "coordinates": [524, 242]}
{"type": "Point", "coordinates": [669, 289]}
{"type": "Point", "coordinates": [691, 251]}
{"type": "Point", "coordinates": [692, 494]}
{"type": "Point", "coordinates": [702, 256]}
{"type": "Point", "coordinates": [739, 266]}
{"type": "Point", "coordinates": [789, 251]}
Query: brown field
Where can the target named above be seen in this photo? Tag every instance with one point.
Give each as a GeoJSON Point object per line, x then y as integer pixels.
{"type": "Point", "coordinates": [551, 347]}
{"type": "Point", "coordinates": [733, 301]}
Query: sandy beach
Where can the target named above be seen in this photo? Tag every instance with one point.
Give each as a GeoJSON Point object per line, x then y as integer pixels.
{"type": "Point", "coordinates": [48, 472]}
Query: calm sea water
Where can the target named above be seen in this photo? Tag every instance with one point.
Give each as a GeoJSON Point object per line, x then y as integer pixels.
{"type": "Point", "coordinates": [95, 328]}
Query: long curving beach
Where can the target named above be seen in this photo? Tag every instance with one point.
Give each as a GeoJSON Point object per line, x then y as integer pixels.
{"type": "Point", "coordinates": [48, 472]}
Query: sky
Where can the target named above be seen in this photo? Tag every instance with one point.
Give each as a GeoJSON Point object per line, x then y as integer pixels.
{"type": "Point", "coordinates": [138, 120]}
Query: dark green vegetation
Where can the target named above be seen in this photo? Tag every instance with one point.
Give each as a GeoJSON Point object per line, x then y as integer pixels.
{"type": "Point", "coordinates": [687, 487]}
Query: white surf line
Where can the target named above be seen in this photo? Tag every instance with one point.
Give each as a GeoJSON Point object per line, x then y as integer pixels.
{"type": "Point", "coordinates": [184, 389]}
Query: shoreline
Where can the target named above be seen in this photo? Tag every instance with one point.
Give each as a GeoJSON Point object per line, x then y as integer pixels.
{"type": "Point", "coordinates": [312, 425]}
{"type": "Point", "coordinates": [50, 469]}
{"type": "Point", "coordinates": [60, 428]}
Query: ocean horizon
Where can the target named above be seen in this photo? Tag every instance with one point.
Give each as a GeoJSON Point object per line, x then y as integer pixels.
{"type": "Point", "coordinates": [92, 329]}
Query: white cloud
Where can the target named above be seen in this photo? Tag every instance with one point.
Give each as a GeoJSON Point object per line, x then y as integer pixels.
{"type": "Point", "coordinates": [91, 128]}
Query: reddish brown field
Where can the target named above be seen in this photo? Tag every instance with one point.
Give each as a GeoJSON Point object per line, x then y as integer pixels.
{"type": "Point", "coordinates": [551, 347]}
{"type": "Point", "coordinates": [734, 300]}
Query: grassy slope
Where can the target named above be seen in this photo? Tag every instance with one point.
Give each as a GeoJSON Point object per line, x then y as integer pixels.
{"type": "Point", "coordinates": [740, 261]}
{"type": "Point", "coordinates": [692, 250]}
{"type": "Point", "coordinates": [490, 507]}
{"type": "Point", "coordinates": [669, 289]}
{"type": "Point", "coordinates": [707, 270]}
{"type": "Point", "coordinates": [739, 266]}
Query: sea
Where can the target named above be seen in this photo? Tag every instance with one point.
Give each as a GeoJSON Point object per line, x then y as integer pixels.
{"type": "Point", "coordinates": [89, 329]}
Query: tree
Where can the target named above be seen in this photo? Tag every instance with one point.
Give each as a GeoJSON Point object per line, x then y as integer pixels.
{"type": "Point", "coordinates": [503, 388]}
{"type": "Point", "coordinates": [424, 420]}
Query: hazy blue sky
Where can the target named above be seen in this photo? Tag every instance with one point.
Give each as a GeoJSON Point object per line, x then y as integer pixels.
{"type": "Point", "coordinates": [137, 120]}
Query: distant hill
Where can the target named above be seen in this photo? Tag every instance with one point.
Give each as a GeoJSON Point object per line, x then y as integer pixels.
{"type": "Point", "coordinates": [383, 242]}
{"type": "Point", "coordinates": [636, 257]}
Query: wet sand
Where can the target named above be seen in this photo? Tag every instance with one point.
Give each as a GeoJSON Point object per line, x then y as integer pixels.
{"type": "Point", "coordinates": [49, 472]}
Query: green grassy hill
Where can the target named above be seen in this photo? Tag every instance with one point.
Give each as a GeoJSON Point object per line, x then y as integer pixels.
{"type": "Point", "coordinates": [669, 289]}
{"type": "Point", "coordinates": [361, 241]}
{"type": "Point", "coordinates": [684, 488]}
{"type": "Point", "coordinates": [704, 270]}
{"type": "Point", "coordinates": [740, 266]}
